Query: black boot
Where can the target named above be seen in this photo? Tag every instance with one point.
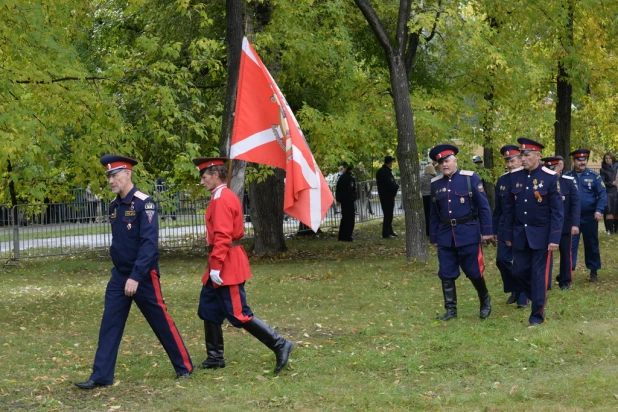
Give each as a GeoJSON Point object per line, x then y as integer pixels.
{"type": "Point", "coordinates": [593, 276]}
{"type": "Point", "coordinates": [450, 299]}
{"type": "Point", "coordinates": [513, 298]}
{"type": "Point", "coordinates": [214, 346]}
{"type": "Point", "coordinates": [615, 226]}
{"type": "Point", "coordinates": [273, 341]}
{"type": "Point", "coordinates": [481, 289]}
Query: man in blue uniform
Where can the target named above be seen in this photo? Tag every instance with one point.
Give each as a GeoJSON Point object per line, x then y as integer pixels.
{"type": "Point", "coordinates": [593, 199]}
{"type": "Point", "coordinates": [533, 224]}
{"type": "Point", "coordinates": [135, 276]}
{"type": "Point", "coordinates": [570, 227]}
{"type": "Point", "coordinates": [504, 254]}
{"type": "Point", "coordinates": [459, 221]}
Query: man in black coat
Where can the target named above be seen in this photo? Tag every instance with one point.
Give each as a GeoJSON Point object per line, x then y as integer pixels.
{"type": "Point", "coordinates": [387, 190]}
{"type": "Point", "coordinates": [345, 195]}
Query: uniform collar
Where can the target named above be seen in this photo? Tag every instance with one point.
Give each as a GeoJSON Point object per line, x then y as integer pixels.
{"type": "Point", "coordinates": [535, 170]}
{"type": "Point", "coordinates": [455, 173]}
{"type": "Point", "coordinates": [221, 186]}
{"type": "Point", "coordinates": [128, 197]}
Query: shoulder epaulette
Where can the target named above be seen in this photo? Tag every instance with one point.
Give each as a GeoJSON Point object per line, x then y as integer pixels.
{"type": "Point", "coordinates": [568, 177]}
{"type": "Point", "coordinates": [466, 172]}
{"type": "Point", "coordinates": [435, 179]}
{"type": "Point", "coordinates": [548, 171]}
{"type": "Point", "coordinates": [517, 170]}
{"type": "Point", "coordinates": [141, 195]}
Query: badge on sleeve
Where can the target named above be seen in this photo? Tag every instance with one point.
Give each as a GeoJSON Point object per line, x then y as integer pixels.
{"type": "Point", "coordinates": [150, 211]}
{"type": "Point", "coordinates": [480, 187]}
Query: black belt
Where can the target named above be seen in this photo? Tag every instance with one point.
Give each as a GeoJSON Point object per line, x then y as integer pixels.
{"type": "Point", "coordinates": [234, 243]}
{"type": "Point", "coordinates": [455, 222]}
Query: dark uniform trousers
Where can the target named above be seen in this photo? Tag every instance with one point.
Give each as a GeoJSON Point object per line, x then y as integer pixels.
{"type": "Point", "coordinates": [504, 262]}
{"type": "Point", "coordinates": [224, 302]}
{"type": "Point", "coordinates": [149, 300]}
{"type": "Point", "coordinates": [589, 230]}
{"type": "Point", "coordinates": [468, 257]}
{"type": "Point", "coordinates": [566, 260]}
{"type": "Point", "coordinates": [348, 219]}
{"type": "Point", "coordinates": [531, 268]}
{"type": "Point", "coordinates": [388, 206]}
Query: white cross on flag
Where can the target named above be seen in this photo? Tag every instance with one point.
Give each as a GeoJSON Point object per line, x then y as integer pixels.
{"type": "Point", "coordinates": [266, 131]}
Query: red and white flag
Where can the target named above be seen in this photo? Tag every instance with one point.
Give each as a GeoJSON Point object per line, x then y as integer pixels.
{"type": "Point", "coordinates": [266, 131]}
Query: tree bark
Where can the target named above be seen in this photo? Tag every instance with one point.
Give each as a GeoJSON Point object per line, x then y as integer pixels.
{"type": "Point", "coordinates": [266, 211]}
{"type": "Point", "coordinates": [564, 96]}
{"type": "Point", "coordinates": [488, 153]}
{"type": "Point", "coordinates": [407, 152]}
{"type": "Point", "coordinates": [233, 41]}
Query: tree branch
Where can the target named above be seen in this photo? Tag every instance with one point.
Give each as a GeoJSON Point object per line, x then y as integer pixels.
{"type": "Point", "coordinates": [375, 23]}
{"type": "Point", "coordinates": [61, 79]}
{"type": "Point", "coordinates": [405, 7]}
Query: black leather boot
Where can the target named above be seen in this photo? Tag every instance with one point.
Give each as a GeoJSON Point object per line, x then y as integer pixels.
{"type": "Point", "coordinates": [273, 341]}
{"type": "Point", "coordinates": [450, 299]}
{"type": "Point", "coordinates": [213, 333]}
{"type": "Point", "coordinates": [481, 289]}
{"type": "Point", "coordinates": [593, 276]}
{"type": "Point", "coordinates": [609, 226]}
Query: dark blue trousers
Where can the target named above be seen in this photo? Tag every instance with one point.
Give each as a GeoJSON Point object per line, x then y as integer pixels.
{"type": "Point", "coordinates": [566, 260]}
{"type": "Point", "coordinates": [469, 258]}
{"type": "Point", "coordinates": [531, 269]}
{"type": "Point", "coordinates": [149, 300]}
{"type": "Point", "coordinates": [224, 302]}
{"type": "Point", "coordinates": [589, 230]}
{"type": "Point", "coordinates": [504, 262]}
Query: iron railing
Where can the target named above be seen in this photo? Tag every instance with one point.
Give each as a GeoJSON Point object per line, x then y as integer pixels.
{"type": "Point", "coordinates": [50, 229]}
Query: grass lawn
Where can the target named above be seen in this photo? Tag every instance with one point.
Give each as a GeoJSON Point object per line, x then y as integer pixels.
{"type": "Point", "coordinates": [364, 325]}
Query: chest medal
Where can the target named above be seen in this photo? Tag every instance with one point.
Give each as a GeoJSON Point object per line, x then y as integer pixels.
{"type": "Point", "coordinates": [129, 226]}
{"type": "Point", "coordinates": [462, 200]}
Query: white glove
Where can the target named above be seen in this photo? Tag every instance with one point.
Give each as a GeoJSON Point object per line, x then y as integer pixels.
{"type": "Point", "coordinates": [214, 276]}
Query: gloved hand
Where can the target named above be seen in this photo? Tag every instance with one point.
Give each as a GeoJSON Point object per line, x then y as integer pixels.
{"type": "Point", "coordinates": [214, 276]}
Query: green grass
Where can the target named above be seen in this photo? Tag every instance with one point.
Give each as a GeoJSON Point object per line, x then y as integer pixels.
{"type": "Point", "coordinates": [363, 321]}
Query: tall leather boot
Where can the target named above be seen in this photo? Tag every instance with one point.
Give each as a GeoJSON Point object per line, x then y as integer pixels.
{"type": "Point", "coordinates": [213, 333]}
{"type": "Point", "coordinates": [450, 299]}
{"type": "Point", "coordinates": [273, 341]}
{"type": "Point", "coordinates": [485, 299]}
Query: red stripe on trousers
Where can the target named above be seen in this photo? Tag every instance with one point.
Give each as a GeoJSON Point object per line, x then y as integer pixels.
{"type": "Point", "coordinates": [546, 279]}
{"type": "Point", "coordinates": [480, 260]}
{"type": "Point", "coordinates": [170, 322]}
{"type": "Point", "coordinates": [237, 304]}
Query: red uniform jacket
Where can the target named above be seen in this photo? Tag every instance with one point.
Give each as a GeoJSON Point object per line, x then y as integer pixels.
{"type": "Point", "coordinates": [224, 224]}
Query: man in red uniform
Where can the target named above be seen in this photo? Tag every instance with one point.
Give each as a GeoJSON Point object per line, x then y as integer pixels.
{"type": "Point", "coordinates": [223, 294]}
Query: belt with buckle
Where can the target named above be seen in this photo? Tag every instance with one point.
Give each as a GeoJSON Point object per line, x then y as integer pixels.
{"type": "Point", "coordinates": [233, 244]}
{"type": "Point", "coordinates": [455, 222]}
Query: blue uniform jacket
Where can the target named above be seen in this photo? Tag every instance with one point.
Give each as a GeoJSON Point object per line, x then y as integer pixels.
{"type": "Point", "coordinates": [451, 200]}
{"type": "Point", "coordinates": [570, 200]}
{"type": "Point", "coordinates": [135, 235]}
{"type": "Point", "coordinates": [502, 191]}
{"type": "Point", "coordinates": [534, 210]}
{"type": "Point", "coordinates": [592, 194]}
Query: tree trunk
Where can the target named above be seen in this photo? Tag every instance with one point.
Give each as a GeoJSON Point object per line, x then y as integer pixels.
{"type": "Point", "coordinates": [562, 125]}
{"type": "Point", "coordinates": [266, 211]}
{"type": "Point", "coordinates": [488, 153]}
{"type": "Point", "coordinates": [233, 40]}
{"type": "Point", "coordinates": [409, 167]}
{"type": "Point", "coordinates": [564, 96]}
{"type": "Point", "coordinates": [12, 191]}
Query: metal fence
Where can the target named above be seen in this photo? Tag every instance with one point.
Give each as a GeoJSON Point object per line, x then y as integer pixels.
{"type": "Point", "coordinates": [50, 229]}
